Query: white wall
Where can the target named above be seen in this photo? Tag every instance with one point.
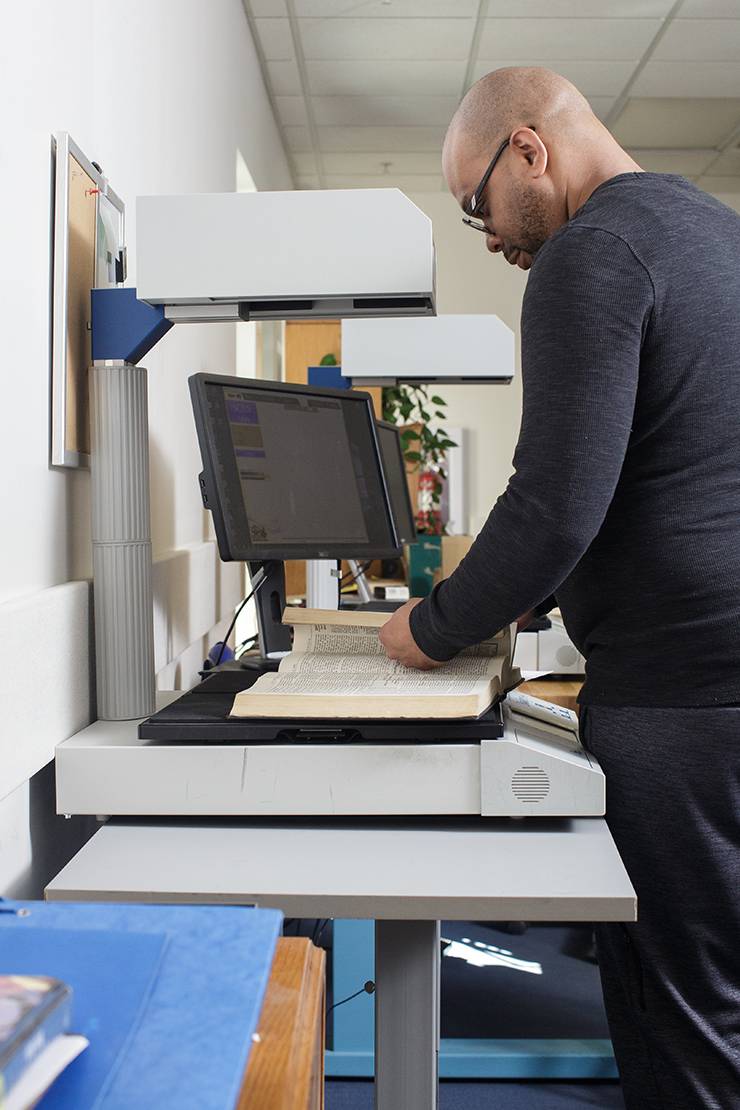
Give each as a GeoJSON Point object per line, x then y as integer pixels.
{"type": "Point", "coordinates": [470, 279]}
{"type": "Point", "coordinates": [161, 93]}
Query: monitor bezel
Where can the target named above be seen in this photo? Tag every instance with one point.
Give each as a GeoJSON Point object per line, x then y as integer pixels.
{"type": "Point", "coordinates": [399, 447]}
{"type": "Point", "coordinates": [212, 489]}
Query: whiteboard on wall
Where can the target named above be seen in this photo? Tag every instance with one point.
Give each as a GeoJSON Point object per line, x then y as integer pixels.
{"type": "Point", "coordinates": [88, 252]}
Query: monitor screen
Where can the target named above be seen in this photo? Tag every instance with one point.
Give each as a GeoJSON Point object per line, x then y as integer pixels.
{"type": "Point", "coordinates": [391, 450]}
{"type": "Point", "coordinates": [291, 471]}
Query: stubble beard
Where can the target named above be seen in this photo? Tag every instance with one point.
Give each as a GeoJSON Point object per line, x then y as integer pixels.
{"type": "Point", "coordinates": [534, 220]}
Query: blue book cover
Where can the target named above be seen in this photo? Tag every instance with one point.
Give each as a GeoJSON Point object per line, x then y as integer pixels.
{"type": "Point", "coordinates": [169, 997]}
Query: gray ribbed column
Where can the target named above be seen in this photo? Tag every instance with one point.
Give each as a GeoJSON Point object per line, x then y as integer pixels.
{"type": "Point", "coordinates": [407, 959]}
{"type": "Point", "coordinates": [122, 548]}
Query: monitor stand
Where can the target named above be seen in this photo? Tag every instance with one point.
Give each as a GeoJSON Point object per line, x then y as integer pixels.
{"type": "Point", "coordinates": [274, 636]}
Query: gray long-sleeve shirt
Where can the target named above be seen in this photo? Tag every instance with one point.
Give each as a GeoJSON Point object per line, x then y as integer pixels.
{"type": "Point", "coordinates": [625, 501]}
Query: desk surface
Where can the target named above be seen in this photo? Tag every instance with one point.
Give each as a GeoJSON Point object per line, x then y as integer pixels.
{"type": "Point", "coordinates": [561, 691]}
{"type": "Point", "coordinates": [475, 869]}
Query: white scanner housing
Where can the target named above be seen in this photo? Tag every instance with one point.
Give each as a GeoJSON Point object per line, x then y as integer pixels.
{"type": "Point", "coordinates": [449, 348]}
{"type": "Point", "coordinates": [285, 255]}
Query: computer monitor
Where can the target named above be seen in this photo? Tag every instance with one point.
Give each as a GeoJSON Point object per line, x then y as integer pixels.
{"type": "Point", "coordinates": [391, 449]}
{"type": "Point", "coordinates": [290, 472]}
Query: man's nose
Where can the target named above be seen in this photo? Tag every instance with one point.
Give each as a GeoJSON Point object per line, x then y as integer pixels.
{"type": "Point", "coordinates": [494, 244]}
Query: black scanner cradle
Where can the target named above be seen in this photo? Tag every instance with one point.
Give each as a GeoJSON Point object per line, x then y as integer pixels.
{"type": "Point", "coordinates": [201, 716]}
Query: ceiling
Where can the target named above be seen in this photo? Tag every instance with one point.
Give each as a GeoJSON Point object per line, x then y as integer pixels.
{"type": "Point", "coordinates": [363, 90]}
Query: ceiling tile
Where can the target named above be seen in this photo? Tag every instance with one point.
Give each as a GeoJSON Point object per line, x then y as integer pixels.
{"type": "Point", "coordinates": [689, 163]}
{"type": "Point", "coordinates": [419, 183]}
{"type": "Point", "coordinates": [308, 181]}
{"type": "Point", "coordinates": [292, 110]}
{"type": "Point", "coordinates": [592, 78]}
{"type": "Point", "coordinates": [382, 110]}
{"type": "Point", "coordinates": [719, 185]}
{"type": "Point", "coordinates": [727, 164]}
{"type": "Point", "coordinates": [386, 38]}
{"type": "Point", "coordinates": [711, 40]}
{"type": "Point", "coordinates": [659, 123]}
{"type": "Point", "coordinates": [372, 164]}
{"type": "Point", "coordinates": [305, 163]}
{"type": "Point", "coordinates": [385, 9]}
{"type": "Point", "coordinates": [267, 7]}
{"type": "Point", "coordinates": [567, 39]}
{"type": "Point", "coordinates": [297, 138]}
{"type": "Point", "coordinates": [390, 78]}
{"type": "Point", "coordinates": [285, 80]}
{"type": "Point", "coordinates": [581, 9]}
{"type": "Point", "coordinates": [688, 79]}
{"type": "Point", "coordinates": [710, 9]}
{"type": "Point", "coordinates": [275, 39]}
{"type": "Point", "coordinates": [380, 138]}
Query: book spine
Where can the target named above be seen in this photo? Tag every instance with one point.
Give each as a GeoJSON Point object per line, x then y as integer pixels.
{"type": "Point", "coordinates": [53, 1024]}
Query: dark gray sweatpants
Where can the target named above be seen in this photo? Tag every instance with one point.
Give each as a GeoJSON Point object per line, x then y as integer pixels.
{"type": "Point", "coordinates": [672, 981]}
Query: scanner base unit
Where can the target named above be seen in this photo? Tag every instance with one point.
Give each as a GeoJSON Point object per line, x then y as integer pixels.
{"type": "Point", "coordinates": [534, 769]}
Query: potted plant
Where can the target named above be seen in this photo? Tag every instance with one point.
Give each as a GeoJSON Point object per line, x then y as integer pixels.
{"type": "Point", "coordinates": [424, 450]}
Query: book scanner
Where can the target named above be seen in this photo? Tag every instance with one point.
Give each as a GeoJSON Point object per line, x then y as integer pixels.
{"type": "Point", "coordinates": [264, 444]}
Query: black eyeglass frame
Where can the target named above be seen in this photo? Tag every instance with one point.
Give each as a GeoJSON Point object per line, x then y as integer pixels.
{"type": "Point", "coordinates": [476, 199]}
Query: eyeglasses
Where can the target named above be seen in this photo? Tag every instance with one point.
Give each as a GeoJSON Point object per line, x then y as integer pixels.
{"type": "Point", "coordinates": [476, 200]}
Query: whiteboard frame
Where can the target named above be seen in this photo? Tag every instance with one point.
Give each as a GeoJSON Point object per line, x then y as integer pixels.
{"type": "Point", "coordinates": [63, 147]}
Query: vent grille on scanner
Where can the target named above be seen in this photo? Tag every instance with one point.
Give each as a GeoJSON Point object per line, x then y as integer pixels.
{"type": "Point", "coordinates": [530, 784]}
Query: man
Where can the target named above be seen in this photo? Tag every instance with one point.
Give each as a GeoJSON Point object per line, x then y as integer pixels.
{"type": "Point", "coordinates": [625, 505]}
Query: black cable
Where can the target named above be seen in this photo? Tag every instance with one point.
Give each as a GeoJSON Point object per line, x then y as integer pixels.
{"type": "Point", "coordinates": [317, 938]}
{"type": "Point", "coordinates": [348, 577]}
{"type": "Point", "coordinates": [236, 615]}
{"type": "Point", "coordinates": [246, 644]}
{"type": "Point", "coordinates": [368, 988]}
{"type": "Point", "coordinates": [348, 581]}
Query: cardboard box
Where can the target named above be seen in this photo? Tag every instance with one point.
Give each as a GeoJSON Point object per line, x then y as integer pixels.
{"type": "Point", "coordinates": [454, 550]}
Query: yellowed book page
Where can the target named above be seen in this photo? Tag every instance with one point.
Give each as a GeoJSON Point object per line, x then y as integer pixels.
{"type": "Point", "coordinates": [463, 668]}
{"type": "Point", "coordinates": [345, 617]}
{"type": "Point", "coordinates": [453, 690]}
{"type": "Point", "coordinates": [411, 694]}
{"type": "Point", "coordinates": [313, 707]}
{"type": "Point", "coordinates": [336, 639]}
{"type": "Point", "coordinates": [330, 637]}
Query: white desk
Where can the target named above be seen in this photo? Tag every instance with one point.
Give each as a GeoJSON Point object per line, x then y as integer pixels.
{"type": "Point", "coordinates": [406, 874]}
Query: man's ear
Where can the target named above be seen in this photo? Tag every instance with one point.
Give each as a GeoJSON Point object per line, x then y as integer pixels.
{"type": "Point", "coordinates": [529, 146]}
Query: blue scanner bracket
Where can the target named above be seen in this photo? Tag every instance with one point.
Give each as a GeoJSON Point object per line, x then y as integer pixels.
{"type": "Point", "coordinates": [123, 327]}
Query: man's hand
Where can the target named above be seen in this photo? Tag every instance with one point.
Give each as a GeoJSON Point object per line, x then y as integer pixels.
{"type": "Point", "coordinates": [399, 644]}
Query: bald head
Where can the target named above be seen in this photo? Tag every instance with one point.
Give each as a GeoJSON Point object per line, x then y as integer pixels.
{"type": "Point", "coordinates": [558, 153]}
{"type": "Point", "coordinates": [529, 95]}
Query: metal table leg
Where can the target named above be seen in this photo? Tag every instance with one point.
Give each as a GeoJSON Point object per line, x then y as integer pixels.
{"type": "Point", "coordinates": [407, 969]}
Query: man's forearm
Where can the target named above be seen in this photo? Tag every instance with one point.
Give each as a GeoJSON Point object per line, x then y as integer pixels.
{"type": "Point", "coordinates": [513, 567]}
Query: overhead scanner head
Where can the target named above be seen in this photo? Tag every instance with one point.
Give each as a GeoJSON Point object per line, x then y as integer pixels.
{"type": "Point", "coordinates": [449, 348]}
{"type": "Point", "coordinates": [286, 255]}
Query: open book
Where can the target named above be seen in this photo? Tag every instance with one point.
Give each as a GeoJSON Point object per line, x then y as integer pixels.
{"type": "Point", "coordinates": [338, 668]}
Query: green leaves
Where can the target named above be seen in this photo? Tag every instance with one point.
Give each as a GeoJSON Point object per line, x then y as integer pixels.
{"type": "Point", "coordinates": [411, 404]}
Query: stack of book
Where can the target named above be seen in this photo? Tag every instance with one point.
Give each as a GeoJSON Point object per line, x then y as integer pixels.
{"type": "Point", "coordinates": [35, 1040]}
